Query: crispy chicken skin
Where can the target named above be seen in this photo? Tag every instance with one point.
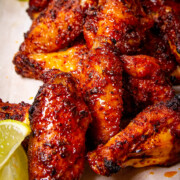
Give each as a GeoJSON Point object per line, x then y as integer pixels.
{"type": "Point", "coordinates": [156, 46]}
{"type": "Point", "coordinates": [59, 119]}
{"type": "Point", "coordinates": [169, 24]}
{"type": "Point", "coordinates": [99, 76]}
{"type": "Point", "coordinates": [14, 111]}
{"type": "Point", "coordinates": [34, 65]}
{"type": "Point", "coordinates": [166, 15]}
{"type": "Point", "coordinates": [146, 82]}
{"type": "Point", "coordinates": [152, 138]}
{"type": "Point", "coordinates": [54, 28]}
{"type": "Point", "coordinates": [36, 6]}
{"type": "Point", "coordinates": [114, 23]}
{"type": "Point", "coordinates": [102, 89]}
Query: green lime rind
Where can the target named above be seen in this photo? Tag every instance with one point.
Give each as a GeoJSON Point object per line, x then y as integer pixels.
{"type": "Point", "coordinates": [12, 133]}
{"type": "Point", "coordinates": [16, 168]}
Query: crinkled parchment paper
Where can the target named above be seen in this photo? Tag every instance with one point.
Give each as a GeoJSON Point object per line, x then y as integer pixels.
{"type": "Point", "coordinates": [14, 22]}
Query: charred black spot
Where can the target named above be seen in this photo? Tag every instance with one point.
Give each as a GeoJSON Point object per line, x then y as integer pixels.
{"type": "Point", "coordinates": [53, 14]}
{"type": "Point", "coordinates": [111, 166]}
{"type": "Point", "coordinates": [156, 129]}
{"type": "Point", "coordinates": [173, 79]}
{"type": "Point", "coordinates": [63, 155]}
{"type": "Point", "coordinates": [69, 28]}
{"type": "Point", "coordinates": [4, 107]}
{"type": "Point", "coordinates": [53, 172]}
{"type": "Point", "coordinates": [83, 114]}
{"type": "Point", "coordinates": [7, 116]}
{"type": "Point", "coordinates": [31, 110]}
{"type": "Point", "coordinates": [113, 41]}
{"type": "Point", "coordinates": [174, 103]}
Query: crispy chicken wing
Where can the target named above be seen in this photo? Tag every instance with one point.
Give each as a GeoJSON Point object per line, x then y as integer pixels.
{"type": "Point", "coordinates": [114, 23]}
{"type": "Point", "coordinates": [156, 46]}
{"type": "Point", "coordinates": [169, 24]}
{"type": "Point", "coordinates": [146, 82]}
{"type": "Point", "coordinates": [59, 119]}
{"type": "Point", "coordinates": [152, 138]}
{"type": "Point", "coordinates": [59, 24]}
{"type": "Point", "coordinates": [166, 15]}
{"type": "Point", "coordinates": [99, 75]}
{"type": "Point", "coordinates": [34, 65]}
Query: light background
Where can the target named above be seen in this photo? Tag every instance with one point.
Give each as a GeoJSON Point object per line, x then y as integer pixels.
{"type": "Point", "coordinates": [14, 22]}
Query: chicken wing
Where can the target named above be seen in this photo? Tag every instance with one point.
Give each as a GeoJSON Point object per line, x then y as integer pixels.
{"type": "Point", "coordinates": [58, 25]}
{"type": "Point", "coordinates": [156, 46]}
{"type": "Point", "coordinates": [59, 119]}
{"type": "Point", "coordinates": [115, 23]}
{"type": "Point", "coordinates": [99, 75]}
{"type": "Point", "coordinates": [152, 138]}
{"type": "Point", "coordinates": [166, 16]}
{"type": "Point", "coordinates": [146, 82]}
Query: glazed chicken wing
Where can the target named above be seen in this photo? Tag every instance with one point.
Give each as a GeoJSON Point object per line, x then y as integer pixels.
{"type": "Point", "coordinates": [116, 24]}
{"type": "Point", "coordinates": [146, 81]}
{"type": "Point", "coordinates": [59, 119]}
{"type": "Point", "coordinates": [152, 138]}
{"type": "Point", "coordinates": [58, 25]}
{"type": "Point", "coordinates": [99, 75]}
{"type": "Point", "coordinates": [166, 15]}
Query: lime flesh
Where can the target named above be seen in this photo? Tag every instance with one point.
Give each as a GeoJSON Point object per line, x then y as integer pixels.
{"type": "Point", "coordinates": [12, 133]}
{"type": "Point", "coordinates": [16, 168]}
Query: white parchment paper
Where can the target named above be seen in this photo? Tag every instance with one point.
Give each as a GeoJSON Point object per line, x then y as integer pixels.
{"type": "Point", "coordinates": [14, 22]}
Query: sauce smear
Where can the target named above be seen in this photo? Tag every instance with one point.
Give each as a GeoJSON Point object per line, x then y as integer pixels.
{"type": "Point", "coordinates": [170, 174]}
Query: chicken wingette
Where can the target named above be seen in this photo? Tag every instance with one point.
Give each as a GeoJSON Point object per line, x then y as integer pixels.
{"type": "Point", "coordinates": [59, 119]}
{"type": "Point", "coordinates": [99, 76]}
{"type": "Point", "coordinates": [156, 46]}
{"type": "Point", "coordinates": [152, 138]}
{"type": "Point", "coordinates": [115, 23]}
{"type": "Point", "coordinates": [165, 14]}
{"type": "Point", "coordinates": [58, 25]}
{"type": "Point", "coordinates": [146, 82]}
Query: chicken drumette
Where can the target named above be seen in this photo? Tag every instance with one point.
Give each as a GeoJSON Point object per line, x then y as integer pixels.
{"type": "Point", "coordinates": [152, 138]}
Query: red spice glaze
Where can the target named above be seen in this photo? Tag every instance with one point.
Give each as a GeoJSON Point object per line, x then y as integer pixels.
{"type": "Point", "coordinates": [151, 138]}
{"type": "Point", "coordinates": [59, 119]}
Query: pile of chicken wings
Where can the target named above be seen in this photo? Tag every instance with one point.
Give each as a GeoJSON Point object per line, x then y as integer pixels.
{"type": "Point", "coordinates": [108, 69]}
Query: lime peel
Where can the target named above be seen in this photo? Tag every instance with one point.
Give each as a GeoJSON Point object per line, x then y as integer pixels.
{"type": "Point", "coordinates": [12, 133]}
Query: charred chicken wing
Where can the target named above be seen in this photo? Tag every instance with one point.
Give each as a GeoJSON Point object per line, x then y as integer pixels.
{"type": "Point", "coordinates": [55, 27]}
{"type": "Point", "coordinates": [59, 119]}
{"type": "Point", "coordinates": [152, 138]}
{"type": "Point", "coordinates": [146, 82]}
{"type": "Point", "coordinates": [99, 76]}
{"type": "Point", "coordinates": [114, 23]}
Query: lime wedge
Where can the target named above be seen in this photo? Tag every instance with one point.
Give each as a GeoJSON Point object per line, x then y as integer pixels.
{"type": "Point", "coordinates": [12, 133]}
{"type": "Point", "coordinates": [16, 168]}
